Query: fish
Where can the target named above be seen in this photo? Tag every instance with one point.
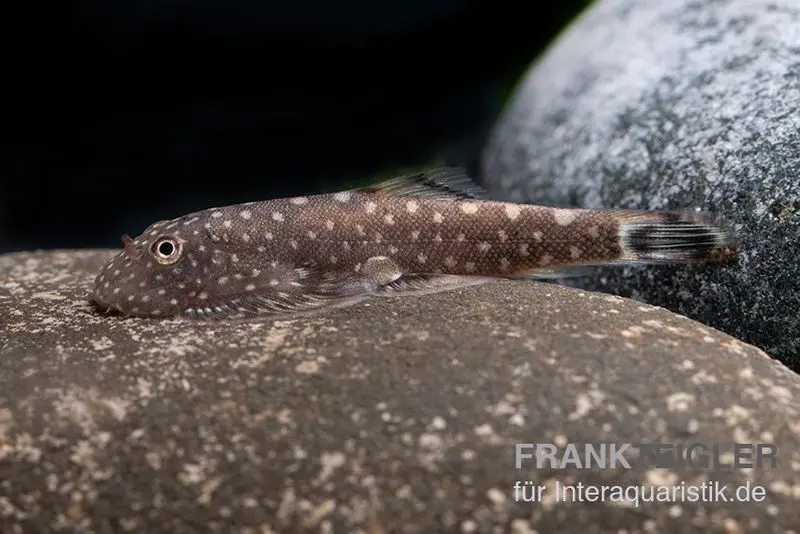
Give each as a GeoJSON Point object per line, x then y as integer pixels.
{"type": "Point", "coordinates": [423, 232]}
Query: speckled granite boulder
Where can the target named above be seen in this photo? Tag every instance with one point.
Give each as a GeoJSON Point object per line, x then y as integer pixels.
{"type": "Point", "coordinates": [653, 104]}
{"type": "Point", "coordinates": [395, 415]}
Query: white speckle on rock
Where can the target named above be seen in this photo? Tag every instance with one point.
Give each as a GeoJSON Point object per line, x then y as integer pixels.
{"type": "Point", "coordinates": [660, 477]}
{"type": "Point", "coordinates": [517, 419]}
{"type": "Point", "coordinates": [522, 526]}
{"type": "Point", "coordinates": [496, 495]}
{"type": "Point", "coordinates": [468, 526]}
{"type": "Point", "coordinates": [307, 367]}
{"type": "Point", "coordinates": [692, 426]}
{"type": "Point", "coordinates": [438, 423]}
{"type": "Point", "coordinates": [680, 402]}
{"type": "Point", "coordinates": [781, 393]}
{"type": "Point", "coordinates": [484, 430]}
{"type": "Point", "coordinates": [585, 402]}
{"type": "Point", "coordinates": [330, 462]}
{"type": "Point", "coordinates": [315, 516]}
{"type": "Point", "coordinates": [430, 442]}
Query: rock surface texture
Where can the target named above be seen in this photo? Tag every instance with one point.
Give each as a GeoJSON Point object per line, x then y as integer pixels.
{"type": "Point", "coordinates": [392, 416]}
{"type": "Point", "coordinates": [652, 104]}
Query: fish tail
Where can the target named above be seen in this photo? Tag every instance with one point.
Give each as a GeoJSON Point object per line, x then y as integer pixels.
{"type": "Point", "coordinates": [675, 237]}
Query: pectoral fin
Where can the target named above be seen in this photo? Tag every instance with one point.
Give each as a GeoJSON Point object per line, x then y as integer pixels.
{"type": "Point", "coordinates": [280, 304]}
{"type": "Point", "coordinates": [384, 278]}
{"type": "Point", "coordinates": [426, 284]}
{"type": "Point", "coordinates": [306, 292]}
{"type": "Point", "coordinates": [556, 273]}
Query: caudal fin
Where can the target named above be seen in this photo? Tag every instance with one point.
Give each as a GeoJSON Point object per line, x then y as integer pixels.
{"type": "Point", "coordinates": [675, 237]}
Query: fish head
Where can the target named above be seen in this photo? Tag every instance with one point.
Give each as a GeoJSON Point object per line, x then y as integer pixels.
{"type": "Point", "coordinates": [159, 273]}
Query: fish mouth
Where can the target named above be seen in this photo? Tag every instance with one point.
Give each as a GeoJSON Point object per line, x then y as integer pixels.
{"type": "Point", "coordinates": [102, 306]}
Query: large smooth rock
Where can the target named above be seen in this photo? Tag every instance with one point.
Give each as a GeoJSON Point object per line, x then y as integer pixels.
{"type": "Point", "coordinates": [395, 415]}
{"type": "Point", "coordinates": [653, 104]}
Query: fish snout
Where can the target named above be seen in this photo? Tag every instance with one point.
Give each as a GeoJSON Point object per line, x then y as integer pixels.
{"type": "Point", "coordinates": [113, 285]}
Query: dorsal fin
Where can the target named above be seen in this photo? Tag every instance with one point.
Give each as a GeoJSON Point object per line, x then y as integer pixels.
{"type": "Point", "coordinates": [441, 182]}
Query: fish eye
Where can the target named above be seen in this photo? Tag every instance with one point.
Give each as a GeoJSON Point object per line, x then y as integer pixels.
{"type": "Point", "coordinates": [166, 250]}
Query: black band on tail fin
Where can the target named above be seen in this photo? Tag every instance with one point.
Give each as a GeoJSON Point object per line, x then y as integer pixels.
{"type": "Point", "coordinates": [675, 237]}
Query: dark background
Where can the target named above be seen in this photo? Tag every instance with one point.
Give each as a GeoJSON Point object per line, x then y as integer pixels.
{"type": "Point", "coordinates": [121, 113]}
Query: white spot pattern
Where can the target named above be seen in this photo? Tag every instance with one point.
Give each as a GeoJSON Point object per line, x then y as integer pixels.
{"type": "Point", "coordinates": [470, 208]}
{"type": "Point", "coordinates": [512, 211]}
{"type": "Point", "coordinates": [564, 217]}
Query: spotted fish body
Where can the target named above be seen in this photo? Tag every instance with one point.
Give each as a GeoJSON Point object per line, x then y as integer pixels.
{"type": "Point", "coordinates": [426, 232]}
